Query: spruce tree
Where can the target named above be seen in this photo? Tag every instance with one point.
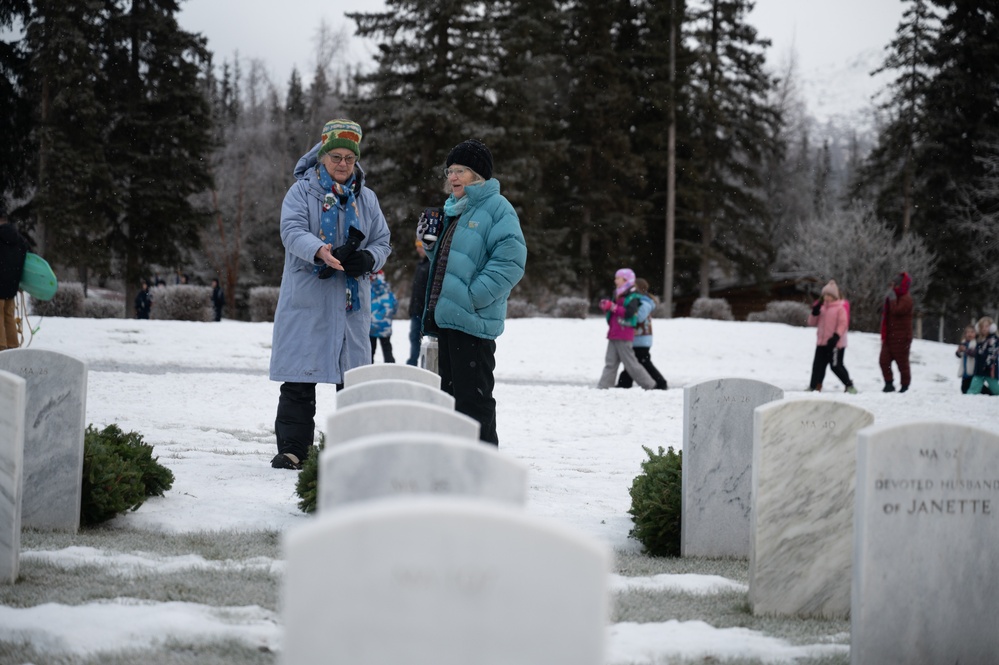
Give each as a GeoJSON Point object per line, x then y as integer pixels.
{"type": "Point", "coordinates": [431, 89]}
{"type": "Point", "coordinates": [15, 108]}
{"type": "Point", "coordinates": [961, 116]}
{"type": "Point", "coordinates": [531, 105]}
{"type": "Point", "coordinates": [74, 199]}
{"type": "Point", "coordinates": [160, 136]}
{"type": "Point", "coordinates": [732, 120]}
{"type": "Point", "coordinates": [888, 175]}
{"type": "Point", "coordinates": [602, 163]}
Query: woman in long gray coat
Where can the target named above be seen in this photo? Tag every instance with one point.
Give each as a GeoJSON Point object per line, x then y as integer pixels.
{"type": "Point", "coordinates": [334, 234]}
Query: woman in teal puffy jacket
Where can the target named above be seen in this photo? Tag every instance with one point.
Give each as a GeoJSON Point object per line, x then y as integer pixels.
{"type": "Point", "coordinates": [476, 256]}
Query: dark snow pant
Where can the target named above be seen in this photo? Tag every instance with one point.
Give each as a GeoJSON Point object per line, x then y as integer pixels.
{"type": "Point", "coordinates": [899, 352]}
{"type": "Point", "coordinates": [386, 349]}
{"type": "Point", "coordinates": [832, 358]}
{"type": "Point", "coordinates": [466, 365]}
{"type": "Point", "coordinates": [644, 355]}
{"type": "Point", "coordinates": [415, 338]}
{"type": "Point", "coordinates": [295, 424]}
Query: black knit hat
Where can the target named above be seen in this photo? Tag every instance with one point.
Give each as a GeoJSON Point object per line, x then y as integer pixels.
{"type": "Point", "coordinates": [473, 154]}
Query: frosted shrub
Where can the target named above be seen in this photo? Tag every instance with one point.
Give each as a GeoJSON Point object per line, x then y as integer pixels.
{"type": "Point", "coordinates": [263, 303]}
{"type": "Point", "coordinates": [711, 308]}
{"type": "Point", "coordinates": [791, 312]}
{"type": "Point", "coordinates": [67, 301]}
{"type": "Point", "coordinates": [103, 309]}
{"type": "Point", "coordinates": [862, 254]}
{"type": "Point", "coordinates": [568, 307]}
{"type": "Point", "coordinates": [521, 309]}
{"type": "Point", "coordinates": [183, 302]}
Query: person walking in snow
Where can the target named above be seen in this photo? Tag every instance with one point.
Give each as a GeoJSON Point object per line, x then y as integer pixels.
{"type": "Point", "coordinates": [383, 308]}
{"type": "Point", "coordinates": [622, 318]}
{"type": "Point", "coordinates": [831, 317]}
{"type": "Point", "coordinates": [218, 299]}
{"type": "Point", "coordinates": [642, 344]}
{"type": "Point", "coordinates": [896, 332]}
{"type": "Point", "coordinates": [966, 357]}
{"type": "Point", "coordinates": [334, 233]}
{"type": "Point", "coordinates": [986, 359]}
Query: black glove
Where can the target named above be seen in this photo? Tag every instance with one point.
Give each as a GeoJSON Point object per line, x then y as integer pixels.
{"type": "Point", "coordinates": [358, 263]}
{"type": "Point", "coordinates": [833, 341]}
{"type": "Point", "coordinates": [816, 308]}
{"type": "Point", "coordinates": [354, 238]}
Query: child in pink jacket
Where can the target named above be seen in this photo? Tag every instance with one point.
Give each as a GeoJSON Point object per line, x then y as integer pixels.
{"type": "Point", "coordinates": [622, 317]}
{"type": "Point", "coordinates": [831, 316]}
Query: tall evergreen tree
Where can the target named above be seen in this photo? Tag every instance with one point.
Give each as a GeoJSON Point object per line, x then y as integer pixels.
{"type": "Point", "coordinates": [160, 135]}
{"type": "Point", "coordinates": [961, 114]}
{"type": "Point", "coordinates": [531, 105]}
{"type": "Point", "coordinates": [74, 200]}
{"type": "Point", "coordinates": [432, 88]}
{"type": "Point", "coordinates": [15, 107]}
{"type": "Point", "coordinates": [732, 120]}
{"type": "Point", "coordinates": [601, 161]}
{"type": "Point", "coordinates": [652, 94]}
{"type": "Point", "coordinates": [890, 168]}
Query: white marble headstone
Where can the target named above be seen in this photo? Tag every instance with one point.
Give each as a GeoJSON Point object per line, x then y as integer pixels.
{"type": "Point", "coordinates": [55, 410]}
{"type": "Point", "coordinates": [717, 463]}
{"type": "Point", "coordinates": [397, 416]}
{"type": "Point", "coordinates": [804, 467]}
{"type": "Point", "coordinates": [12, 392]}
{"type": "Point", "coordinates": [442, 581]}
{"type": "Point", "coordinates": [926, 546]}
{"type": "Point", "coordinates": [382, 389]}
{"type": "Point", "coordinates": [380, 371]}
{"type": "Point", "coordinates": [387, 465]}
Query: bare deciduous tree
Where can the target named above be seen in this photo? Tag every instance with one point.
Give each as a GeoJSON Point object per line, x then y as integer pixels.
{"type": "Point", "coordinates": [862, 254]}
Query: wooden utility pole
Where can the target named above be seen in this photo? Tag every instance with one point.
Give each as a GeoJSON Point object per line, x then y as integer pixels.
{"type": "Point", "coordinates": [670, 167]}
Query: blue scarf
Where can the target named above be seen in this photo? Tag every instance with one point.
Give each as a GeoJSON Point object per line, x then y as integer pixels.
{"type": "Point", "coordinates": [328, 222]}
{"type": "Point", "coordinates": [454, 207]}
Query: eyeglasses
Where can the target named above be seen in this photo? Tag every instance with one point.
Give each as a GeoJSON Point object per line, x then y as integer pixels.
{"type": "Point", "coordinates": [350, 159]}
{"type": "Point", "coordinates": [455, 170]}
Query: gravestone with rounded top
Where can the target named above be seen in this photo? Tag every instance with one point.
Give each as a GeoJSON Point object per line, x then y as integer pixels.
{"type": "Point", "coordinates": [405, 462]}
{"type": "Point", "coordinates": [442, 581]}
{"type": "Point", "coordinates": [925, 577]}
{"type": "Point", "coordinates": [12, 391]}
{"type": "Point", "coordinates": [382, 389]}
{"type": "Point", "coordinates": [397, 416]}
{"type": "Point", "coordinates": [717, 463]}
{"type": "Point", "coordinates": [804, 467]}
{"type": "Point", "coordinates": [55, 410]}
{"type": "Point", "coordinates": [380, 371]}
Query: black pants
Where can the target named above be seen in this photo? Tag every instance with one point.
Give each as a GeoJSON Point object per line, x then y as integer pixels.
{"type": "Point", "coordinates": [295, 424]}
{"type": "Point", "coordinates": [832, 358]}
{"type": "Point", "coordinates": [386, 349]}
{"type": "Point", "coordinates": [466, 365]}
{"type": "Point", "coordinates": [644, 356]}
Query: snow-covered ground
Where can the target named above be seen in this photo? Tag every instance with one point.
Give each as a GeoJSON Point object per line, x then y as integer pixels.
{"type": "Point", "coordinates": [199, 393]}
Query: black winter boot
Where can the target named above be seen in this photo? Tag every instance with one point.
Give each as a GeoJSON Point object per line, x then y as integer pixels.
{"type": "Point", "coordinates": [889, 387]}
{"type": "Point", "coordinates": [903, 389]}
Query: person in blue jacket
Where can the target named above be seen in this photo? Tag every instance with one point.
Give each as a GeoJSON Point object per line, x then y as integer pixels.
{"type": "Point", "coordinates": [383, 307]}
{"type": "Point", "coordinates": [476, 258]}
{"type": "Point", "coordinates": [334, 234]}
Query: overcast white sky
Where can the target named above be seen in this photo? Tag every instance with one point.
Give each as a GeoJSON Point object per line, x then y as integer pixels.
{"type": "Point", "coordinates": [822, 32]}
